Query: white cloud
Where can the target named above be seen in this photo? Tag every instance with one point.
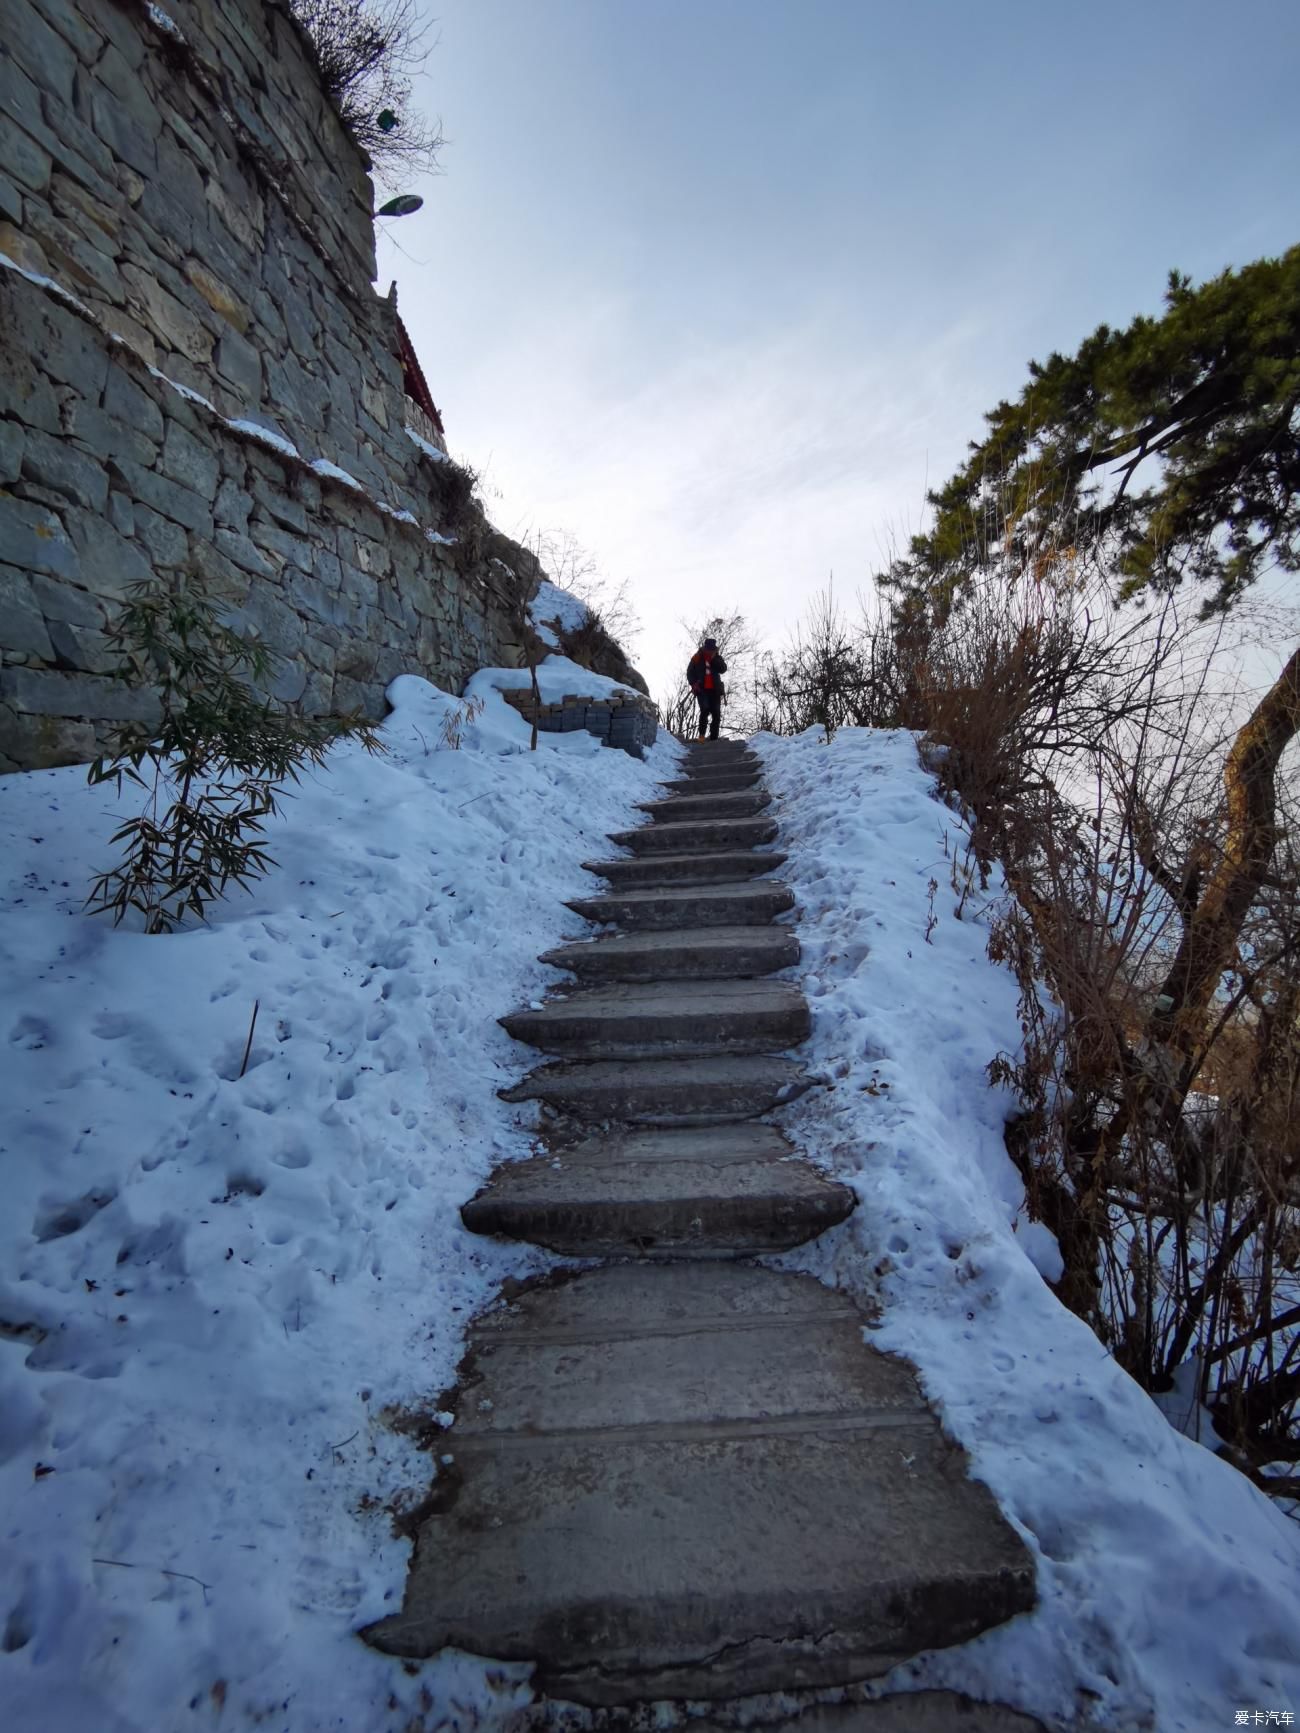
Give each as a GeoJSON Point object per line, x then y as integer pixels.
{"type": "Point", "coordinates": [721, 477]}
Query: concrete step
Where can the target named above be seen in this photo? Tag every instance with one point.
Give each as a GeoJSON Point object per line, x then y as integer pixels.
{"type": "Point", "coordinates": [698, 906]}
{"type": "Point", "coordinates": [853, 1712]}
{"type": "Point", "coordinates": [711, 953]}
{"type": "Point", "coordinates": [722, 782]}
{"type": "Point", "coordinates": [686, 808]}
{"type": "Point", "coordinates": [665, 1091]}
{"type": "Point", "coordinates": [733, 764]}
{"type": "Point", "coordinates": [721, 748]}
{"type": "Point", "coordinates": [909, 1712]}
{"type": "Point", "coordinates": [701, 836]}
{"type": "Point", "coordinates": [725, 1190]}
{"type": "Point", "coordinates": [654, 1019]}
{"type": "Point", "coordinates": [697, 1481]}
{"type": "Point", "coordinates": [650, 871]}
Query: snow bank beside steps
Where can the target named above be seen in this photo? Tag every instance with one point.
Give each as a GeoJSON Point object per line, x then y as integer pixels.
{"type": "Point", "coordinates": [213, 1286]}
{"type": "Point", "coordinates": [1169, 1586]}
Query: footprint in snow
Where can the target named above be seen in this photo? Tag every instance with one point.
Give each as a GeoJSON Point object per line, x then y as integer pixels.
{"type": "Point", "coordinates": [395, 955]}
{"type": "Point", "coordinates": [322, 1587]}
{"type": "Point", "coordinates": [149, 1051]}
{"type": "Point", "coordinates": [58, 1220]}
{"type": "Point", "coordinates": [293, 1155]}
{"type": "Point", "coordinates": [242, 1185]}
{"type": "Point", "coordinates": [162, 1246]}
{"type": "Point", "coordinates": [90, 1351]}
{"type": "Point", "coordinates": [31, 1034]}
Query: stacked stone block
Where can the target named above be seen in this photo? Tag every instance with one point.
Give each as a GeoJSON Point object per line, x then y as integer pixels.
{"type": "Point", "coordinates": [629, 721]}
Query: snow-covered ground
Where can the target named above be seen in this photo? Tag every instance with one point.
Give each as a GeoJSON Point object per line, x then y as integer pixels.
{"type": "Point", "coordinates": [218, 1292]}
{"type": "Point", "coordinates": [1169, 1587]}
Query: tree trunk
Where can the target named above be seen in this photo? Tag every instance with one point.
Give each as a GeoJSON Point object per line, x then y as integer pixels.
{"type": "Point", "coordinates": [1211, 931]}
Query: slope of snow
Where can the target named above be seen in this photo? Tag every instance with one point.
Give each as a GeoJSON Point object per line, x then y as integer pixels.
{"type": "Point", "coordinates": [1169, 1586]}
{"type": "Point", "coordinates": [553, 608]}
{"type": "Point", "coordinates": [216, 1291]}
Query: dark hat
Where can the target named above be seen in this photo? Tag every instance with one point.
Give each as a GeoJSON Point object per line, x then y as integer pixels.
{"type": "Point", "coordinates": [710, 643]}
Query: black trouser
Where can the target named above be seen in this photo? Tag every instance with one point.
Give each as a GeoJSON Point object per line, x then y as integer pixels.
{"type": "Point", "coordinates": [710, 712]}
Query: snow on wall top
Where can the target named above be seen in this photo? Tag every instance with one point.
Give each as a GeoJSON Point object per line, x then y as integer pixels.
{"type": "Point", "coordinates": [557, 677]}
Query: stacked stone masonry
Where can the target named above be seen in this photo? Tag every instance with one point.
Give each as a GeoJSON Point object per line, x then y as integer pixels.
{"type": "Point", "coordinates": [189, 243]}
{"type": "Point", "coordinates": [629, 721]}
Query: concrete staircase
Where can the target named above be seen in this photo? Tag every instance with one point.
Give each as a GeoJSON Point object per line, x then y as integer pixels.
{"type": "Point", "coordinates": [684, 1475]}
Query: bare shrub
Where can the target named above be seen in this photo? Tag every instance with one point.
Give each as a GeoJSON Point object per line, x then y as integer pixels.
{"type": "Point", "coordinates": [574, 568]}
{"type": "Point", "coordinates": [839, 673]}
{"type": "Point", "coordinates": [1147, 835]}
{"type": "Point", "coordinates": [1154, 927]}
{"type": "Point", "coordinates": [822, 679]}
{"type": "Point", "coordinates": [678, 711]}
{"type": "Point", "coordinates": [1148, 840]}
{"type": "Point", "coordinates": [1025, 683]}
{"type": "Point", "coordinates": [609, 621]}
{"type": "Point", "coordinates": [369, 52]}
{"type": "Point", "coordinates": [455, 491]}
{"type": "Point", "coordinates": [1173, 1188]}
{"type": "Point", "coordinates": [1155, 1137]}
{"type": "Point", "coordinates": [594, 646]}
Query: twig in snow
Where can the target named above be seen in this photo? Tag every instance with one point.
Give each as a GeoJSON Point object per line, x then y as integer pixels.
{"type": "Point", "coordinates": [248, 1045]}
{"type": "Point", "coordinates": [127, 1565]}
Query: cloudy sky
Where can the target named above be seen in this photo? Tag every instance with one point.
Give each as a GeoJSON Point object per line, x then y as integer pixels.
{"type": "Point", "coordinates": [719, 286]}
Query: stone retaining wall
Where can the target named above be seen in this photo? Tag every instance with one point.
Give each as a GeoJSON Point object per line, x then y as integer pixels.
{"type": "Point", "coordinates": [182, 172]}
{"type": "Point", "coordinates": [197, 377]}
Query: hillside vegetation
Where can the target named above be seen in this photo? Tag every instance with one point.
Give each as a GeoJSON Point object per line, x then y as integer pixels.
{"type": "Point", "coordinates": [1063, 634]}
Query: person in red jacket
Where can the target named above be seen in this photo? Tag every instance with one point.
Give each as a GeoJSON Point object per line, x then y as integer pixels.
{"type": "Point", "coordinates": [704, 674]}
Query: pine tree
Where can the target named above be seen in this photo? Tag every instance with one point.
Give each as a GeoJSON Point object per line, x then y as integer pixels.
{"type": "Point", "coordinates": [1170, 450]}
{"type": "Point", "coordinates": [1162, 455]}
{"type": "Point", "coordinates": [1205, 403]}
